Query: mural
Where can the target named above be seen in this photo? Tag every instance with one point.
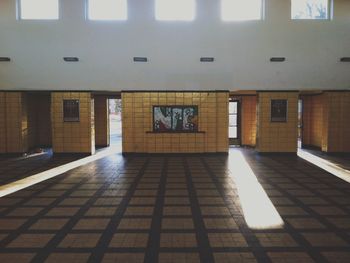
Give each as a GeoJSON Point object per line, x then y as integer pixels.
{"type": "Point", "coordinates": [175, 118]}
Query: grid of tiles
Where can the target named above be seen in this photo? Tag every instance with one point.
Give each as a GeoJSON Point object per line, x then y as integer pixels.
{"type": "Point", "coordinates": [13, 169]}
{"type": "Point", "coordinates": [338, 125]}
{"type": "Point", "coordinates": [138, 122]}
{"type": "Point", "coordinates": [12, 123]}
{"type": "Point", "coordinates": [248, 120]}
{"type": "Point", "coordinates": [313, 120]}
{"type": "Point", "coordinates": [75, 137]}
{"type": "Point", "coordinates": [176, 208]}
{"type": "Point", "coordinates": [277, 136]}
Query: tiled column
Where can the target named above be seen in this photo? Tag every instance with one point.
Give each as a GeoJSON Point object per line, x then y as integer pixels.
{"type": "Point", "coordinates": [336, 124]}
{"type": "Point", "coordinates": [13, 123]}
{"type": "Point", "coordinates": [277, 136]}
{"type": "Point", "coordinates": [101, 121]}
{"type": "Point", "coordinates": [73, 137]}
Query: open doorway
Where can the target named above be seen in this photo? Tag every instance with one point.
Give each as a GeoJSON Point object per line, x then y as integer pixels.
{"type": "Point", "coordinates": [234, 129]}
{"type": "Point", "coordinates": [115, 121]}
{"type": "Point", "coordinates": [300, 123]}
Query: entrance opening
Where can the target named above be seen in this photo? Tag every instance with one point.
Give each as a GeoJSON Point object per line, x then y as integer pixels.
{"type": "Point", "coordinates": [234, 130]}
{"type": "Point", "coordinates": [115, 121]}
{"type": "Point", "coordinates": [300, 123]}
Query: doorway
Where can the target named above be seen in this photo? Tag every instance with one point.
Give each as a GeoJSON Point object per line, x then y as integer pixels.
{"type": "Point", "coordinates": [300, 123]}
{"type": "Point", "coordinates": [115, 121]}
{"type": "Point", "coordinates": [234, 129]}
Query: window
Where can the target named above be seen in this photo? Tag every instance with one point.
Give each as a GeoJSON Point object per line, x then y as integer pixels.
{"type": "Point", "coordinates": [240, 10]}
{"type": "Point", "coordinates": [172, 10]}
{"type": "Point", "coordinates": [70, 110]}
{"type": "Point", "coordinates": [107, 9]}
{"type": "Point", "coordinates": [38, 9]}
{"type": "Point", "coordinates": [310, 9]}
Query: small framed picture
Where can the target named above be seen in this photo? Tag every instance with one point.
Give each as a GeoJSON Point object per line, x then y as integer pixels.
{"type": "Point", "coordinates": [71, 110]}
{"type": "Point", "coordinates": [279, 110]}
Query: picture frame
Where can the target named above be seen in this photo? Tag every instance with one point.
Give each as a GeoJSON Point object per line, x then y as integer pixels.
{"type": "Point", "coordinates": [279, 110]}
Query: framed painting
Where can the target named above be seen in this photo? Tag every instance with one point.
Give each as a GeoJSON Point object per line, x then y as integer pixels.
{"type": "Point", "coordinates": [175, 118]}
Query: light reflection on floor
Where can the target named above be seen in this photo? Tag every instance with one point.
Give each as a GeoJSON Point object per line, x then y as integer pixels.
{"type": "Point", "coordinates": [43, 176]}
{"type": "Point", "coordinates": [258, 210]}
{"type": "Point", "coordinates": [325, 165]}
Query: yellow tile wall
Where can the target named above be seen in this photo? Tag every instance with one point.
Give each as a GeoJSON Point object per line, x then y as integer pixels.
{"type": "Point", "coordinates": [39, 119]}
{"type": "Point", "coordinates": [16, 122]}
{"type": "Point", "coordinates": [101, 121]}
{"type": "Point", "coordinates": [248, 120]}
{"type": "Point", "coordinates": [73, 137]}
{"type": "Point", "coordinates": [336, 125]}
{"type": "Point", "coordinates": [137, 122]}
{"type": "Point", "coordinates": [312, 120]}
{"type": "Point", "coordinates": [274, 136]}
{"type": "Point", "coordinates": [2, 122]}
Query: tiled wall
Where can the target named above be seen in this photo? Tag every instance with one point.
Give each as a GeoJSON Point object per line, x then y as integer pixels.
{"type": "Point", "coordinates": [337, 122]}
{"type": "Point", "coordinates": [326, 121]}
{"type": "Point", "coordinates": [312, 120]}
{"type": "Point", "coordinates": [137, 122]}
{"type": "Point", "coordinates": [13, 123]}
{"type": "Point", "coordinates": [2, 122]}
{"type": "Point", "coordinates": [248, 120]}
{"type": "Point", "coordinates": [73, 137]}
{"type": "Point", "coordinates": [39, 120]}
{"type": "Point", "coordinates": [101, 121]}
{"type": "Point", "coordinates": [275, 136]}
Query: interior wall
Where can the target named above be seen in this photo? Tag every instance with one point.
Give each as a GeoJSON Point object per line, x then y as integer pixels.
{"type": "Point", "coordinates": [73, 137]}
{"type": "Point", "coordinates": [2, 122]}
{"type": "Point", "coordinates": [39, 119]}
{"type": "Point", "coordinates": [337, 124]}
{"type": "Point", "coordinates": [137, 125]}
{"type": "Point", "coordinates": [312, 131]}
{"type": "Point", "coordinates": [248, 120]}
{"type": "Point", "coordinates": [101, 121]}
{"type": "Point", "coordinates": [277, 136]}
{"type": "Point", "coordinates": [241, 50]}
{"type": "Point", "coordinates": [13, 123]}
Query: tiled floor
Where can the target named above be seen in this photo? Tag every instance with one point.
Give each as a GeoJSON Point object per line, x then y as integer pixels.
{"type": "Point", "coordinates": [176, 209]}
{"type": "Point", "coordinates": [16, 168]}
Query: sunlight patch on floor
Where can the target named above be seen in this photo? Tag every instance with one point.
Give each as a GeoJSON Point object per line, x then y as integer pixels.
{"type": "Point", "coordinates": [43, 176]}
{"type": "Point", "coordinates": [259, 212]}
{"type": "Point", "coordinates": [325, 165]}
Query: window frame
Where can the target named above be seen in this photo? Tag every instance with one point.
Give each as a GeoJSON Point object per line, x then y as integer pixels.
{"type": "Point", "coordinates": [330, 5]}
{"type": "Point", "coordinates": [87, 6]}
{"type": "Point", "coordinates": [262, 14]}
{"type": "Point", "coordinates": [19, 13]}
{"type": "Point", "coordinates": [175, 20]}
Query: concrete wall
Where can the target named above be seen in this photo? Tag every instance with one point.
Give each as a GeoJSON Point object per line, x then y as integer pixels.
{"type": "Point", "coordinates": [241, 50]}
